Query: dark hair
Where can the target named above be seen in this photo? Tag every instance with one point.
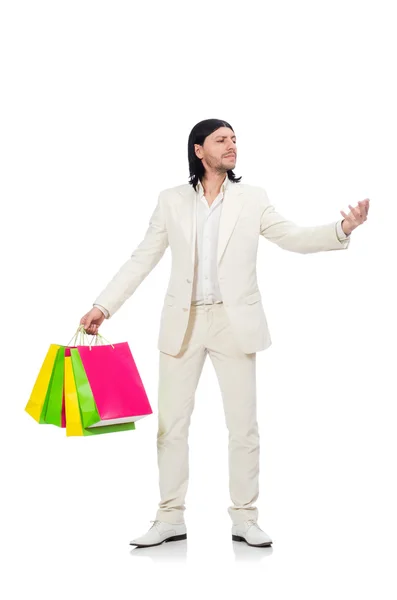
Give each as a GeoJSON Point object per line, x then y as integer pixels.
{"type": "Point", "coordinates": [197, 136]}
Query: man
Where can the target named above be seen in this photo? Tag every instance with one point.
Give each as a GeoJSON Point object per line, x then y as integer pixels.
{"type": "Point", "coordinates": [212, 306]}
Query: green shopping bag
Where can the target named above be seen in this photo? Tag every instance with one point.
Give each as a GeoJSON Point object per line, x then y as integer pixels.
{"type": "Point", "coordinates": [53, 412]}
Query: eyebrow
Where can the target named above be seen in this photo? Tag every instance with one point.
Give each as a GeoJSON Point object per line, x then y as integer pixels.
{"type": "Point", "coordinates": [223, 136]}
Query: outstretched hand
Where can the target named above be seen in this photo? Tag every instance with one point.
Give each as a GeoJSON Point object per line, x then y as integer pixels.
{"type": "Point", "coordinates": [356, 216]}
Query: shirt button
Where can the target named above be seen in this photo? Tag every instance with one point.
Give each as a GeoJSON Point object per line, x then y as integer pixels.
{"type": "Point", "coordinates": [189, 280]}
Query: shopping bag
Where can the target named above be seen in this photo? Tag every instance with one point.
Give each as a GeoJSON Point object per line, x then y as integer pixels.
{"type": "Point", "coordinates": [54, 407]}
{"type": "Point", "coordinates": [47, 402]}
{"type": "Point", "coordinates": [97, 388]}
{"type": "Point", "coordinates": [74, 425]}
{"type": "Point", "coordinates": [54, 412]}
{"type": "Point", "coordinates": [37, 404]}
{"type": "Point", "coordinates": [109, 387]}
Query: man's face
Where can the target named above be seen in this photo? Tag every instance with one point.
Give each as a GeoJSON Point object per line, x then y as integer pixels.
{"type": "Point", "coordinates": [219, 151]}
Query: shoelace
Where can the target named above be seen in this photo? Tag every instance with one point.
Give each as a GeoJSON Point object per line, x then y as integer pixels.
{"type": "Point", "coordinates": [251, 522]}
{"type": "Point", "coordinates": [154, 522]}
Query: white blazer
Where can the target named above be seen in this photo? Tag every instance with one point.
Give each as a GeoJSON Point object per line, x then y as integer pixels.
{"type": "Point", "coordinates": [246, 214]}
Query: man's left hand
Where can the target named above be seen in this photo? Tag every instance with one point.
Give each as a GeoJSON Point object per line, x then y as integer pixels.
{"type": "Point", "coordinates": [356, 216]}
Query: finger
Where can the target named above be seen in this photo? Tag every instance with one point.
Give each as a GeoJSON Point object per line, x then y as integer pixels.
{"type": "Point", "coordinates": [355, 213]}
{"type": "Point", "coordinates": [349, 216]}
{"type": "Point", "coordinates": [366, 205]}
{"type": "Point", "coordinates": [361, 210]}
{"type": "Point", "coordinates": [364, 208]}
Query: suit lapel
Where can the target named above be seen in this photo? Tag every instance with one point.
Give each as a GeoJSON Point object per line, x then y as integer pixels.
{"type": "Point", "coordinates": [231, 208]}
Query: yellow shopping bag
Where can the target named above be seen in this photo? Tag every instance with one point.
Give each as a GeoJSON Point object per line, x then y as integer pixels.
{"type": "Point", "coordinates": [36, 405]}
{"type": "Point", "coordinates": [72, 409]}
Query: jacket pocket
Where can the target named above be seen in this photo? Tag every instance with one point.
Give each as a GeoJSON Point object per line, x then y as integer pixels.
{"type": "Point", "coordinates": [255, 297]}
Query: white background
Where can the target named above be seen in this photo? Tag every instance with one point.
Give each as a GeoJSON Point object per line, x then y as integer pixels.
{"type": "Point", "coordinates": [97, 102]}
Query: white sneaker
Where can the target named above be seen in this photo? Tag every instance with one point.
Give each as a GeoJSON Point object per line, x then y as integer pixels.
{"type": "Point", "coordinates": [161, 532]}
{"type": "Point", "coordinates": [251, 533]}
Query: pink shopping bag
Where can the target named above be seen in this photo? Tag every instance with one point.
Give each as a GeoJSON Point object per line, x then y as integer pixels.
{"type": "Point", "coordinates": [114, 382]}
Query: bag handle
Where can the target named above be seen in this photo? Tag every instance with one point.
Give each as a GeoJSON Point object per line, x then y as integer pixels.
{"type": "Point", "coordinates": [82, 332]}
{"type": "Point", "coordinates": [98, 335]}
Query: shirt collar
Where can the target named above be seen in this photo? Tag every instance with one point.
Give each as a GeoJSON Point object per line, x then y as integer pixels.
{"type": "Point", "coordinates": [224, 186]}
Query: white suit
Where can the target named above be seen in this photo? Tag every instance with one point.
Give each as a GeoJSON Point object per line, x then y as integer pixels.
{"type": "Point", "coordinates": [223, 316]}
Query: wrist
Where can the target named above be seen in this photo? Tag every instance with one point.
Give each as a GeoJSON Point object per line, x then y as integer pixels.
{"type": "Point", "coordinates": [345, 227]}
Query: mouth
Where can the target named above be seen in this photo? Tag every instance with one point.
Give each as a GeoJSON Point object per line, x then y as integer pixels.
{"type": "Point", "coordinates": [230, 156]}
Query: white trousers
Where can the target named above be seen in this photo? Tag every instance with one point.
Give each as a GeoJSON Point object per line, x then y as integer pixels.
{"type": "Point", "coordinates": [208, 332]}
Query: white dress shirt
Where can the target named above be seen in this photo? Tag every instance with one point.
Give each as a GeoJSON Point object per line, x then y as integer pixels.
{"type": "Point", "coordinates": [205, 284]}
